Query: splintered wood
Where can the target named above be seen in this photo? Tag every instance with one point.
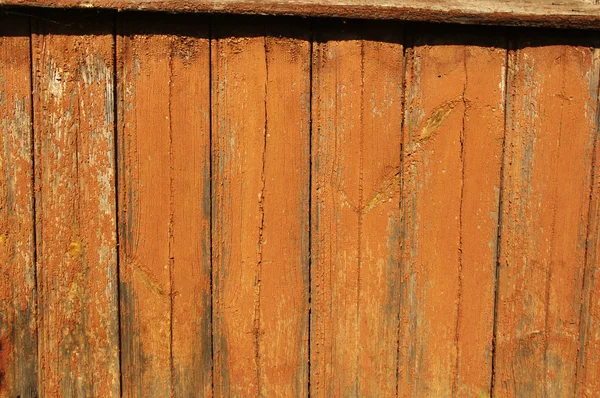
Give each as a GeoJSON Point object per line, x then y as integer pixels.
{"type": "Point", "coordinates": [18, 337]}
{"type": "Point", "coordinates": [78, 323]}
{"type": "Point", "coordinates": [233, 206]}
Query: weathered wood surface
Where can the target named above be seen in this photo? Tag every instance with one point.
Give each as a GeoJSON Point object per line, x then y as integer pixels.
{"type": "Point", "coordinates": [551, 132]}
{"type": "Point", "coordinates": [253, 206]}
{"type": "Point", "coordinates": [567, 13]}
{"type": "Point", "coordinates": [357, 115]}
{"type": "Point", "coordinates": [164, 200]}
{"type": "Point", "coordinates": [261, 174]}
{"type": "Point", "coordinates": [75, 207]}
{"type": "Point", "coordinates": [18, 337]}
{"type": "Point", "coordinates": [190, 206]}
{"type": "Point", "coordinates": [588, 360]}
{"type": "Point", "coordinates": [453, 134]}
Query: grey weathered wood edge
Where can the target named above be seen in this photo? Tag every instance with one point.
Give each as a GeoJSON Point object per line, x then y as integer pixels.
{"type": "Point", "coordinates": [565, 14]}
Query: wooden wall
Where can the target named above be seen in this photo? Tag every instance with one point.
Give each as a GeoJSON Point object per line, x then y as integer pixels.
{"type": "Point", "coordinates": [226, 206]}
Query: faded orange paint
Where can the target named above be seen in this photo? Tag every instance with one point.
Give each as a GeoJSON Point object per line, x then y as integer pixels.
{"type": "Point", "coordinates": [75, 208]}
{"type": "Point", "coordinates": [327, 208]}
{"type": "Point", "coordinates": [357, 114]}
{"type": "Point", "coordinates": [551, 132]}
{"type": "Point", "coordinates": [145, 213]}
{"type": "Point", "coordinates": [18, 338]}
{"type": "Point", "coordinates": [284, 275]}
{"type": "Point", "coordinates": [452, 155]}
{"type": "Point", "coordinates": [482, 141]}
{"type": "Point", "coordinates": [190, 208]}
{"type": "Point", "coordinates": [260, 211]}
{"type": "Point", "coordinates": [588, 360]}
{"type": "Point", "coordinates": [165, 207]}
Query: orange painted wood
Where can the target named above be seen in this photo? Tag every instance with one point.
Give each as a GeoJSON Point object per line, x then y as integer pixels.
{"type": "Point", "coordinates": [452, 156]}
{"type": "Point", "coordinates": [482, 144]}
{"type": "Point", "coordinates": [283, 207]}
{"type": "Point", "coordinates": [260, 111]}
{"type": "Point", "coordinates": [164, 204]}
{"type": "Point", "coordinates": [588, 360]}
{"type": "Point", "coordinates": [18, 337]}
{"type": "Point", "coordinates": [551, 132]}
{"type": "Point", "coordinates": [75, 207]}
{"type": "Point", "coordinates": [357, 114]}
{"type": "Point", "coordinates": [191, 208]}
{"type": "Point", "coordinates": [284, 274]}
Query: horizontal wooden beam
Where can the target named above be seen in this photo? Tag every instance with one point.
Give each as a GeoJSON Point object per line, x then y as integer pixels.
{"type": "Point", "coordinates": [565, 14]}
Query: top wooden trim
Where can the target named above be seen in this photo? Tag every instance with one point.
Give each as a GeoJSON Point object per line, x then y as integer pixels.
{"type": "Point", "coordinates": [566, 14]}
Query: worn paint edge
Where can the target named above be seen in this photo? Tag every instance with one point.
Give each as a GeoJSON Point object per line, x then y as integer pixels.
{"type": "Point", "coordinates": [567, 15]}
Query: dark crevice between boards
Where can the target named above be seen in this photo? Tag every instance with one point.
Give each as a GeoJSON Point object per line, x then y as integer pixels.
{"type": "Point", "coordinates": [456, 375]}
{"type": "Point", "coordinates": [310, 202]}
{"type": "Point", "coordinates": [261, 206]}
{"type": "Point", "coordinates": [116, 174]}
{"type": "Point", "coordinates": [210, 193]}
{"type": "Point", "coordinates": [33, 201]}
{"type": "Point", "coordinates": [171, 214]}
{"type": "Point", "coordinates": [509, 63]}
{"type": "Point", "coordinates": [37, 191]}
{"type": "Point", "coordinates": [401, 235]}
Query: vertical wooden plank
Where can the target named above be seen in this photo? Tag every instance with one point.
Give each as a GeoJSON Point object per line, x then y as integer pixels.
{"type": "Point", "coordinates": [261, 90]}
{"type": "Point", "coordinates": [18, 339]}
{"type": "Point", "coordinates": [432, 194]}
{"type": "Point", "coordinates": [285, 201]}
{"type": "Point", "coordinates": [484, 64]}
{"type": "Point", "coordinates": [164, 199]}
{"type": "Point", "coordinates": [549, 148]}
{"type": "Point", "coordinates": [75, 205]}
{"type": "Point", "coordinates": [190, 207]}
{"type": "Point", "coordinates": [357, 117]}
{"type": "Point", "coordinates": [238, 146]}
{"type": "Point", "coordinates": [588, 362]}
{"type": "Point", "coordinates": [144, 208]}
{"type": "Point", "coordinates": [453, 137]}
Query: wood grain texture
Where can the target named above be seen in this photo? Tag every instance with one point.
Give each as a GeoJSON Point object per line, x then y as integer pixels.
{"type": "Point", "coordinates": [551, 131]}
{"type": "Point", "coordinates": [191, 208]}
{"type": "Point", "coordinates": [164, 199]}
{"type": "Point", "coordinates": [357, 115]}
{"type": "Point", "coordinates": [261, 96]}
{"type": "Point", "coordinates": [18, 338]}
{"type": "Point", "coordinates": [584, 14]}
{"type": "Point", "coordinates": [588, 361]}
{"type": "Point", "coordinates": [452, 157]}
{"type": "Point", "coordinates": [482, 150]}
{"type": "Point", "coordinates": [75, 206]}
{"type": "Point", "coordinates": [288, 207]}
